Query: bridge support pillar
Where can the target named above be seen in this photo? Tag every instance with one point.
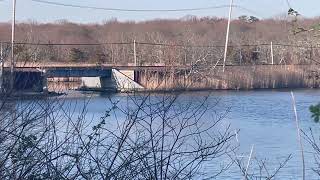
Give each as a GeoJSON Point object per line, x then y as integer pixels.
{"type": "Point", "coordinates": [117, 81]}
{"type": "Point", "coordinates": [126, 81]}
{"type": "Point", "coordinates": [105, 83]}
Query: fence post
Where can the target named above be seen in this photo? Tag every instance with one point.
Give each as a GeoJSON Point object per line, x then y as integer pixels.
{"type": "Point", "coordinates": [272, 57]}
{"type": "Point", "coordinates": [311, 53]}
{"type": "Point", "coordinates": [240, 56]}
{"type": "Point", "coordinates": [134, 53]}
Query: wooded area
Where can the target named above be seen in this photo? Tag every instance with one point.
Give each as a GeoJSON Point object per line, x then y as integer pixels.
{"type": "Point", "coordinates": [189, 40]}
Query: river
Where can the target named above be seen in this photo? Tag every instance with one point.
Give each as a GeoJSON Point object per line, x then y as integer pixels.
{"type": "Point", "coordinates": [265, 119]}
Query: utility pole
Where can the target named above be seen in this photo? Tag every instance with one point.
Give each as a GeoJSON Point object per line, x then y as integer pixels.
{"type": "Point", "coordinates": [12, 44]}
{"type": "Point", "coordinates": [227, 35]}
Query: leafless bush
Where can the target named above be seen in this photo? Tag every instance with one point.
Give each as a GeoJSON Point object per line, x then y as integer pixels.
{"type": "Point", "coordinates": [260, 168]}
{"type": "Point", "coordinates": [141, 137]}
{"type": "Point", "coordinates": [312, 140]}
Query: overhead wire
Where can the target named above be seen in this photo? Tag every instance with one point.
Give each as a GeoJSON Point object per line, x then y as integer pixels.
{"type": "Point", "coordinates": [126, 10]}
{"type": "Point", "coordinates": [141, 10]}
{"type": "Point", "coordinates": [160, 44]}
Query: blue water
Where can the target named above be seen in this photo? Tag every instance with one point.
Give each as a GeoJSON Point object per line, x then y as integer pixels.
{"type": "Point", "coordinates": [265, 119]}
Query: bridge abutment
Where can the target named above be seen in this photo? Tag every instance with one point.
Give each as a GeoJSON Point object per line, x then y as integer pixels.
{"type": "Point", "coordinates": [118, 81]}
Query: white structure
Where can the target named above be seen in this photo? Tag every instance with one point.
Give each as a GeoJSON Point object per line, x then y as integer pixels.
{"type": "Point", "coordinates": [122, 81]}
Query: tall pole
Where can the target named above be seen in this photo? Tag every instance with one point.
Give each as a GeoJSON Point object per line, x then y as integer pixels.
{"type": "Point", "coordinates": [12, 43]}
{"type": "Point", "coordinates": [135, 53]}
{"type": "Point", "coordinates": [227, 36]}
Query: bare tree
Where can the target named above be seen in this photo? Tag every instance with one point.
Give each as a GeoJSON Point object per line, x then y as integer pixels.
{"type": "Point", "coordinates": [141, 137]}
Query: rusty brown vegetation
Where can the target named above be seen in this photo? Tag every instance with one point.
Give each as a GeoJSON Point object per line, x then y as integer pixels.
{"type": "Point", "coordinates": [235, 77]}
{"type": "Point", "coordinates": [198, 39]}
{"type": "Point", "coordinates": [195, 42]}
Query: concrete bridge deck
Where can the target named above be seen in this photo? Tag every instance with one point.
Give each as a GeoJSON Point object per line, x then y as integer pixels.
{"type": "Point", "coordinates": [91, 65]}
{"type": "Point", "coordinates": [88, 70]}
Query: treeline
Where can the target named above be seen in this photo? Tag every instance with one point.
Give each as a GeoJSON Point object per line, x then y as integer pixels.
{"type": "Point", "coordinates": [189, 40]}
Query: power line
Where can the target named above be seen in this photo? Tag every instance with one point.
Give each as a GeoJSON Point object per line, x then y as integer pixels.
{"type": "Point", "coordinates": [127, 10]}
{"type": "Point", "coordinates": [141, 10]}
{"type": "Point", "coordinates": [316, 46]}
{"type": "Point", "coordinates": [70, 44]}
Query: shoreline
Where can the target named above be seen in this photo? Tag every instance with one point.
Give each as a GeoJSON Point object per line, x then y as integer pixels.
{"type": "Point", "coordinates": [30, 95]}
{"type": "Point", "coordinates": [179, 91]}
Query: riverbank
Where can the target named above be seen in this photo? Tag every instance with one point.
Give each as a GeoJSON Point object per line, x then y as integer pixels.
{"type": "Point", "coordinates": [29, 95]}
{"type": "Point", "coordinates": [233, 78]}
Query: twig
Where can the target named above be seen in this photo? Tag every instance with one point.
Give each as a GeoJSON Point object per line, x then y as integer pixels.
{"type": "Point", "coordinates": [248, 164]}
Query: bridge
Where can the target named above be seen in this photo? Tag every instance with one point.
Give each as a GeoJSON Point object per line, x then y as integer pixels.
{"type": "Point", "coordinates": [89, 70]}
{"type": "Point", "coordinates": [94, 76]}
{"type": "Point", "coordinates": [161, 77]}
